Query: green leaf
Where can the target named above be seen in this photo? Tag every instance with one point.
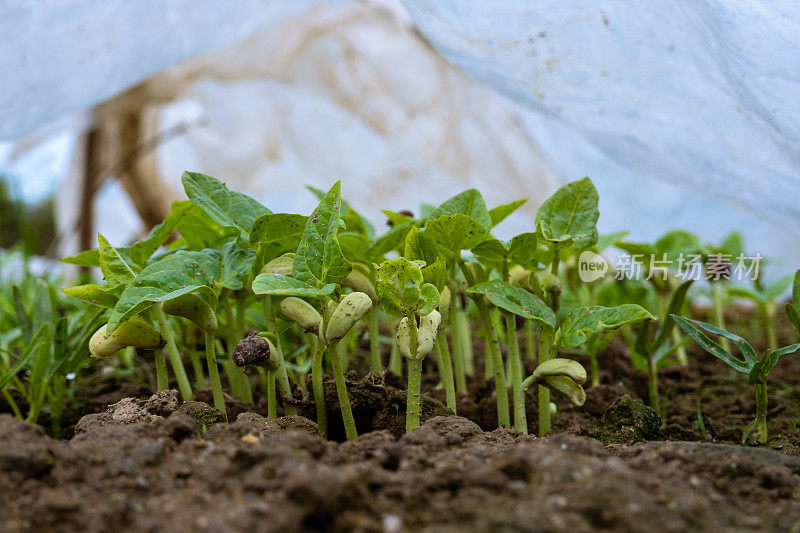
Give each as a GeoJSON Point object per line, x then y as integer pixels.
{"type": "Point", "coordinates": [428, 299]}
{"type": "Point", "coordinates": [673, 307]}
{"type": "Point", "coordinates": [425, 209]}
{"type": "Point", "coordinates": [36, 379]}
{"type": "Point", "coordinates": [199, 231]}
{"type": "Point", "coordinates": [501, 212]}
{"type": "Point", "coordinates": [692, 329]}
{"type": "Point", "coordinates": [114, 268]}
{"type": "Point", "coordinates": [764, 296]}
{"type": "Point", "coordinates": [419, 246]}
{"type": "Point", "coordinates": [277, 285]}
{"type": "Point", "coordinates": [435, 274]}
{"type": "Point", "coordinates": [586, 321]}
{"type": "Point", "coordinates": [638, 251]}
{"type": "Point", "coordinates": [748, 429]}
{"type": "Point", "coordinates": [355, 246]}
{"type": "Point", "coordinates": [627, 291]}
{"type": "Point", "coordinates": [278, 227]}
{"type": "Point", "coordinates": [320, 194]}
{"type": "Point", "coordinates": [746, 293]}
{"type": "Point", "coordinates": [567, 387]}
{"type": "Point", "coordinates": [794, 316]}
{"type": "Point", "coordinates": [676, 242]}
{"type": "Point", "coordinates": [401, 289]}
{"type": "Point", "coordinates": [353, 221]}
{"type": "Point", "coordinates": [178, 274]}
{"type": "Point", "coordinates": [659, 357]}
{"type": "Point", "coordinates": [392, 240]}
{"type": "Point", "coordinates": [141, 251]}
{"type": "Point", "coordinates": [569, 217]}
{"type": "Point", "coordinates": [94, 294]}
{"type": "Point", "coordinates": [732, 244]}
{"type": "Point", "coordinates": [778, 288]}
{"type": "Point", "coordinates": [41, 337]}
{"type": "Point", "coordinates": [469, 203]}
{"type": "Point", "coordinates": [319, 259]}
{"type": "Point", "coordinates": [606, 240]}
{"type": "Point", "coordinates": [453, 233]}
{"type": "Point", "coordinates": [236, 265]}
{"type": "Point", "coordinates": [491, 251]}
{"type": "Point", "coordinates": [769, 361]}
{"type": "Point", "coordinates": [86, 258]}
{"type": "Point", "coordinates": [225, 207]}
{"type": "Point", "coordinates": [796, 290]}
{"type": "Point", "coordinates": [518, 301]}
{"type": "Point", "coordinates": [522, 248]}
{"type": "Point", "coordinates": [24, 321]}
{"type": "Point", "coordinates": [44, 304]}
{"type": "Point", "coordinates": [642, 340]}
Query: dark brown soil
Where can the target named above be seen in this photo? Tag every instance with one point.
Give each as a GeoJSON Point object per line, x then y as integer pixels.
{"type": "Point", "coordinates": [154, 464]}
{"type": "Point", "coordinates": [723, 397]}
{"type": "Point", "coordinates": [137, 471]}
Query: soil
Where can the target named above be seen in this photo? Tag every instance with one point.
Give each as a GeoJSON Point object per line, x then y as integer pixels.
{"type": "Point", "coordinates": [154, 463]}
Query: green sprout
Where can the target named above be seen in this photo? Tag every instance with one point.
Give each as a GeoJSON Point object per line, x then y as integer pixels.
{"type": "Point", "coordinates": [460, 223]}
{"type": "Point", "coordinates": [579, 326]}
{"type": "Point", "coordinates": [765, 300]}
{"type": "Point", "coordinates": [516, 301]}
{"type": "Point", "coordinates": [675, 248]}
{"type": "Point", "coordinates": [317, 267]}
{"type": "Point", "coordinates": [200, 313]}
{"type": "Point", "coordinates": [563, 375]}
{"type": "Point", "coordinates": [567, 221]}
{"type": "Point", "coordinates": [359, 280]}
{"type": "Point", "coordinates": [310, 321]}
{"type": "Point", "coordinates": [757, 369]}
{"type": "Point", "coordinates": [280, 266]}
{"type": "Point", "coordinates": [281, 293]}
{"type": "Point", "coordinates": [404, 294]}
{"type": "Point", "coordinates": [715, 261]}
{"type": "Point", "coordinates": [43, 342]}
{"type": "Point", "coordinates": [650, 350]}
{"type": "Point", "coordinates": [443, 359]}
{"type": "Point", "coordinates": [793, 308]}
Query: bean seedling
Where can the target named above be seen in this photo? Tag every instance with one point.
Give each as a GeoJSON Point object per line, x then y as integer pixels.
{"type": "Point", "coordinates": [757, 369]}
{"type": "Point", "coordinates": [287, 294]}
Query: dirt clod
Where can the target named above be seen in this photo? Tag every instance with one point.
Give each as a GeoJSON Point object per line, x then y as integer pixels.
{"type": "Point", "coordinates": [626, 421]}
{"type": "Point", "coordinates": [163, 403]}
{"type": "Point", "coordinates": [124, 412]}
{"type": "Point", "coordinates": [252, 350]}
{"type": "Point", "coordinates": [204, 415]}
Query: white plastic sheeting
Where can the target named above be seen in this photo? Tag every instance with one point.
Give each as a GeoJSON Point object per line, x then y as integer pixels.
{"type": "Point", "coordinates": [684, 112]}
{"type": "Point", "coordinates": [345, 91]}
{"type": "Point", "coordinates": [63, 56]}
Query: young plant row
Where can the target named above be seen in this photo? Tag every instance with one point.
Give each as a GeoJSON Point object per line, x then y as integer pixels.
{"type": "Point", "coordinates": [271, 297]}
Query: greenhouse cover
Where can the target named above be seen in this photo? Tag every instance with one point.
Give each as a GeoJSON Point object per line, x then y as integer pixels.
{"type": "Point", "coordinates": [687, 109]}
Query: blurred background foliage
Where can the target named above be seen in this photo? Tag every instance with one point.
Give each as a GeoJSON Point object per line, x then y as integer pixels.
{"type": "Point", "coordinates": [27, 227]}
